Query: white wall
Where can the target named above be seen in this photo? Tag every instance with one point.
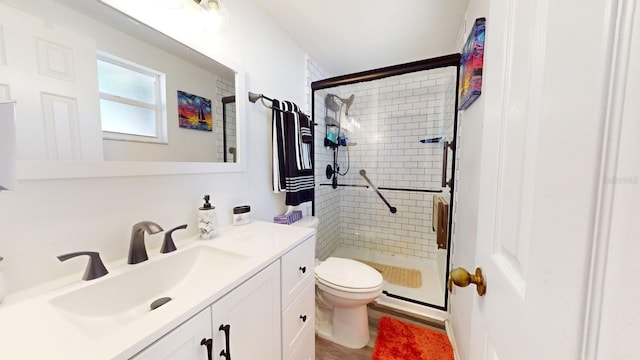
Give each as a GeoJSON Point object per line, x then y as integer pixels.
{"type": "Point", "coordinates": [44, 218]}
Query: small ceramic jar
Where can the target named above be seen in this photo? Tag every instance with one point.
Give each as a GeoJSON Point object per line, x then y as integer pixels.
{"type": "Point", "coordinates": [241, 215]}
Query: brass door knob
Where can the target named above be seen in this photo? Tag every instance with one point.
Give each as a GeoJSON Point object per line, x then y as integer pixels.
{"type": "Point", "coordinates": [462, 278]}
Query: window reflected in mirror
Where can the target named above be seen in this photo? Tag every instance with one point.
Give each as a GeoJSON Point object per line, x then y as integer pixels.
{"type": "Point", "coordinates": [103, 87]}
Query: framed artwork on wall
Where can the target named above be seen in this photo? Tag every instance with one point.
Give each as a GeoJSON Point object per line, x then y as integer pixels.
{"type": "Point", "coordinates": [194, 112]}
{"type": "Point", "coordinates": [471, 64]}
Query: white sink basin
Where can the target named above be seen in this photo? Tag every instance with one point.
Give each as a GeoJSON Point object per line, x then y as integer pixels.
{"type": "Point", "coordinates": [106, 304]}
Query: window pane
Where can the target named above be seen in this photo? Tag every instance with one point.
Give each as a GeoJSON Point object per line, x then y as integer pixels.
{"type": "Point", "coordinates": [123, 118]}
{"type": "Point", "coordinates": [120, 81]}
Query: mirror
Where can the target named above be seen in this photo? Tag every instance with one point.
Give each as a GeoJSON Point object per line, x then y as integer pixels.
{"type": "Point", "coordinates": [229, 126]}
{"type": "Point", "coordinates": [182, 122]}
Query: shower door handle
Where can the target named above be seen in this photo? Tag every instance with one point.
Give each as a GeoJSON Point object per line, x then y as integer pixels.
{"type": "Point", "coordinates": [445, 160]}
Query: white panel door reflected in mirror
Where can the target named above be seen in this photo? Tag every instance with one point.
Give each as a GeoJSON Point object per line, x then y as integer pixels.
{"type": "Point", "coordinates": [51, 69]}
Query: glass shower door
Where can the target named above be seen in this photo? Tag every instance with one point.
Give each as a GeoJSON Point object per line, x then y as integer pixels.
{"type": "Point", "coordinates": [385, 185]}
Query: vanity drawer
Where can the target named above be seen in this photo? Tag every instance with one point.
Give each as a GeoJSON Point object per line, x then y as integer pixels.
{"type": "Point", "coordinates": [306, 348]}
{"type": "Point", "coordinates": [298, 320]}
{"type": "Point", "coordinates": [297, 270]}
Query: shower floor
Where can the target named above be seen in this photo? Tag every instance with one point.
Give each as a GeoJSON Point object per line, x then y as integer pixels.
{"type": "Point", "coordinates": [432, 289]}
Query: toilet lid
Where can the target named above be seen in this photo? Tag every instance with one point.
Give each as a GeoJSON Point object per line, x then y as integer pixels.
{"type": "Point", "coordinates": [348, 273]}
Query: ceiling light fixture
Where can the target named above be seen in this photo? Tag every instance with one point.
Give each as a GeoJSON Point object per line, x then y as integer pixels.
{"type": "Point", "coordinates": [208, 4]}
{"type": "Point", "coordinates": [214, 10]}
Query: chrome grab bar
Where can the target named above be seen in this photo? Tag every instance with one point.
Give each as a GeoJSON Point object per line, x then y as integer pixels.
{"type": "Point", "coordinates": [363, 173]}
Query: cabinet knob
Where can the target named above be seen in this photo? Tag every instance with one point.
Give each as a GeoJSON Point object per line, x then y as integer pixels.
{"type": "Point", "coordinates": [303, 269]}
{"type": "Point", "coordinates": [303, 318]}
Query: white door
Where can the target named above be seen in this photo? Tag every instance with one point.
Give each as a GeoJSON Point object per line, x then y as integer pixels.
{"type": "Point", "coordinates": [614, 332]}
{"type": "Point", "coordinates": [547, 67]}
{"type": "Point", "coordinates": [51, 74]}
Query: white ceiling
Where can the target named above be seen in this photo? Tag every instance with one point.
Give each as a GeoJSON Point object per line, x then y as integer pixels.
{"type": "Point", "coordinates": [347, 36]}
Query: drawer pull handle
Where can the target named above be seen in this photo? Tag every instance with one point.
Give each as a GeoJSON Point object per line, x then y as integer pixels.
{"type": "Point", "coordinates": [303, 318]}
{"type": "Point", "coordinates": [227, 334]}
{"type": "Point", "coordinates": [303, 269]}
{"type": "Point", "coordinates": [209, 344]}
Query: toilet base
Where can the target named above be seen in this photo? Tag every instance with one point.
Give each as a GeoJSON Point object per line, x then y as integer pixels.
{"type": "Point", "coordinates": [348, 327]}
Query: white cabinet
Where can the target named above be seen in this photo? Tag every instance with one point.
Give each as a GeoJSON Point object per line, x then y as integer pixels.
{"type": "Point", "coordinates": [298, 302]}
{"type": "Point", "coordinates": [248, 318]}
{"type": "Point", "coordinates": [306, 347]}
{"type": "Point", "coordinates": [183, 342]}
{"type": "Point", "coordinates": [270, 316]}
{"type": "Point", "coordinates": [297, 270]}
{"type": "Point", "coordinates": [251, 313]}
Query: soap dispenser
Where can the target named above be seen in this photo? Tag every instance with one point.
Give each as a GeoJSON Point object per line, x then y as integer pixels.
{"type": "Point", "coordinates": [207, 220]}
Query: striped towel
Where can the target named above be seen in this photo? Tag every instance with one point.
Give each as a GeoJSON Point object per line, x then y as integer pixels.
{"type": "Point", "coordinates": [292, 167]}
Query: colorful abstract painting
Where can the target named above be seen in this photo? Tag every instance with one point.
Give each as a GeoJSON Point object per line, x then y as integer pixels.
{"type": "Point", "coordinates": [194, 112]}
{"type": "Point", "coordinates": [471, 64]}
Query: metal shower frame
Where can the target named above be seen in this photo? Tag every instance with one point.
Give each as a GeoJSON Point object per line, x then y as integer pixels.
{"type": "Point", "coordinates": [381, 73]}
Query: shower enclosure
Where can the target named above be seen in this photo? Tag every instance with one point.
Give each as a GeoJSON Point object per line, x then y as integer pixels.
{"type": "Point", "coordinates": [384, 158]}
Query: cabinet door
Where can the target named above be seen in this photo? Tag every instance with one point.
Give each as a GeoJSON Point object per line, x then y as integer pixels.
{"type": "Point", "coordinates": [251, 315]}
{"type": "Point", "coordinates": [183, 342]}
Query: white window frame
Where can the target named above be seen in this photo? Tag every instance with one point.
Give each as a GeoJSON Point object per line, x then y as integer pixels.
{"type": "Point", "coordinates": [160, 107]}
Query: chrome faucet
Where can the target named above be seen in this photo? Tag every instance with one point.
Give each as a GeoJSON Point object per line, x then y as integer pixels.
{"type": "Point", "coordinates": [137, 250]}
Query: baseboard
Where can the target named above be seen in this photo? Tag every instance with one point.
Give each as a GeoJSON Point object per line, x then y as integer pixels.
{"type": "Point", "coordinates": [452, 339]}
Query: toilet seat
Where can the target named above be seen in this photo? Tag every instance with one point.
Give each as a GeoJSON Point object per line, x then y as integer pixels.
{"type": "Point", "coordinates": [348, 275]}
{"type": "Point", "coordinates": [347, 289]}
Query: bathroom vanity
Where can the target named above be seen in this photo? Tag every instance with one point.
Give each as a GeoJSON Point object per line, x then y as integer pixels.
{"type": "Point", "coordinates": [247, 292]}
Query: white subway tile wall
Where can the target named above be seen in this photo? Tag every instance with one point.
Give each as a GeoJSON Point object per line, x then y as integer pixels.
{"type": "Point", "coordinates": [327, 200]}
{"type": "Point", "coordinates": [224, 88]}
{"type": "Point", "coordinates": [387, 120]}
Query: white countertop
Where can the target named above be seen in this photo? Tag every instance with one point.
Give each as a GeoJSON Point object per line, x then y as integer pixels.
{"type": "Point", "coordinates": [31, 328]}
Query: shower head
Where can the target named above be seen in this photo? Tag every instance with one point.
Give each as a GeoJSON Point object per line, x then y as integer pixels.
{"type": "Point", "coordinates": [334, 102]}
{"type": "Point", "coordinates": [348, 102]}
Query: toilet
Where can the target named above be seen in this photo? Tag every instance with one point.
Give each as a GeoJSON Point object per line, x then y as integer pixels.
{"type": "Point", "coordinates": [344, 287]}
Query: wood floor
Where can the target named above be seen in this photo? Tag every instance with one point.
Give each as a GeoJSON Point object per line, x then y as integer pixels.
{"type": "Point", "coordinates": [327, 350]}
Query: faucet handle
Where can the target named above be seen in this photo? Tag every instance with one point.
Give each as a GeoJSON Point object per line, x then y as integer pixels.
{"type": "Point", "coordinates": [95, 267]}
{"type": "Point", "coordinates": [168, 245]}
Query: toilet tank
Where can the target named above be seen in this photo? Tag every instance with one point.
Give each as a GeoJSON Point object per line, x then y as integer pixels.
{"type": "Point", "coordinates": [309, 222]}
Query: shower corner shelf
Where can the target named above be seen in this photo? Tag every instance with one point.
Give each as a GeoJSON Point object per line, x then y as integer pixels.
{"type": "Point", "coordinates": [330, 144]}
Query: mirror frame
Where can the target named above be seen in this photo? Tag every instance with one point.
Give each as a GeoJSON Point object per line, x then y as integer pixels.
{"type": "Point", "coordinates": [57, 169]}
